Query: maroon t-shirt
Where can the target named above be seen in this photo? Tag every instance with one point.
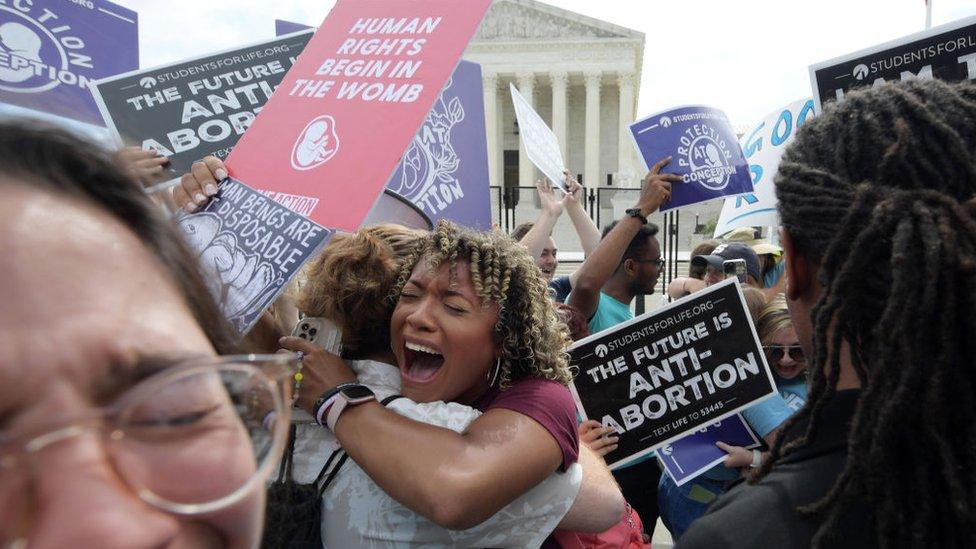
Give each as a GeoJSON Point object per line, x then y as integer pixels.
{"type": "Point", "coordinates": [547, 402]}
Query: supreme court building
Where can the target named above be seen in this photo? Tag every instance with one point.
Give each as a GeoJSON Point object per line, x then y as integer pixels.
{"type": "Point", "coordinates": [581, 75]}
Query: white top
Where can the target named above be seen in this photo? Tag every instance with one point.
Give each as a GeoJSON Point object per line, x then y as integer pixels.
{"type": "Point", "coordinates": [358, 513]}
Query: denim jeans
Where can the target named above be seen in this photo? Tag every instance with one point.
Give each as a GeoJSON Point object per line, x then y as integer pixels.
{"type": "Point", "coordinates": [681, 505]}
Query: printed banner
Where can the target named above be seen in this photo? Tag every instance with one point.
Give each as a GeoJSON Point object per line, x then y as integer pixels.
{"type": "Point", "coordinates": [541, 145]}
{"type": "Point", "coordinates": [199, 107]}
{"type": "Point", "coordinates": [671, 371]}
{"type": "Point", "coordinates": [352, 103]}
{"type": "Point", "coordinates": [704, 149]}
{"type": "Point", "coordinates": [51, 50]}
{"type": "Point", "coordinates": [249, 247]}
{"type": "Point", "coordinates": [444, 173]}
{"type": "Point", "coordinates": [763, 146]}
{"type": "Point", "coordinates": [690, 456]}
{"type": "Point", "coordinates": [946, 52]}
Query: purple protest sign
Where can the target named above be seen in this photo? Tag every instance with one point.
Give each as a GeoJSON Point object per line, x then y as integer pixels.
{"type": "Point", "coordinates": [288, 27]}
{"type": "Point", "coordinates": [444, 172]}
{"type": "Point", "coordinates": [686, 458]}
{"type": "Point", "coordinates": [51, 50]}
{"type": "Point", "coordinates": [704, 149]}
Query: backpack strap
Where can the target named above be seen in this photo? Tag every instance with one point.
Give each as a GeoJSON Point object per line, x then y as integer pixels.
{"type": "Point", "coordinates": [338, 457]}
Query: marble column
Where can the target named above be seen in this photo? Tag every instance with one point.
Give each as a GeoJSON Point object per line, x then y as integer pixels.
{"type": "Point", "coordinates": [625, 148]}
{"type": "Point", "coordinates": [526, 86]}
{"type": "Point", "coordinates": [591, 150]}
{"type": "Point", "coordinates": [559, 82]}
{"type": "Point", "coordinates": [490, 81]}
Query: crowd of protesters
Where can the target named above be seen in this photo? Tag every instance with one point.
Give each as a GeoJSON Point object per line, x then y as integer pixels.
{"type": "Point", "coordinates": [130, 415]}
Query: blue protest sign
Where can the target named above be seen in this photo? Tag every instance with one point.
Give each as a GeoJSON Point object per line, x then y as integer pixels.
{"type": "Point", "coordinates": [704, 151]}
{"type": "Point", "coordinates": [686, 458]}
{"type": "Point", "coordinates": [249, 248]}
{"type": "Point", "coordinates": [51, 50]}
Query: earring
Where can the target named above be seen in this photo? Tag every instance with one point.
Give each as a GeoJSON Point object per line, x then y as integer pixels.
{"type": "Point", "coordinates": [493, 373]}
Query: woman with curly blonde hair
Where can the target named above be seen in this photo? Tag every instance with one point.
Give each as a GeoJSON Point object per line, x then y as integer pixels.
{"type": "Point", "coordinates": [473, 325]}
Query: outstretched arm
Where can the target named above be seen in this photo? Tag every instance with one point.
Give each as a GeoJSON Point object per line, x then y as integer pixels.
{"type": "Point", "coordinates": [600, 266]}
{"type": "Point", "coordinates": [574, 205]}
{"type": "Point", "coordinates": [535, 239]}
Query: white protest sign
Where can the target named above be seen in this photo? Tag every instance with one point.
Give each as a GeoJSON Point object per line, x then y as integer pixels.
{"type": "Point", "coordinates": [541, 145]}
{"type": "Point", "coordinates": [763, 146]}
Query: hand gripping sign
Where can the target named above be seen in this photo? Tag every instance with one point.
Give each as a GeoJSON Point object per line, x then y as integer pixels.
{"type": "Point", "coordinates": [344, 115]}
{"type": "Point", "coordinates": [671, 371]}
{"type": "Point", "coordinates": [50, 50]}
{"type": "Point", "coordinates": [690, 456]}
{"type": "Point", "coordinates": [704, 151]}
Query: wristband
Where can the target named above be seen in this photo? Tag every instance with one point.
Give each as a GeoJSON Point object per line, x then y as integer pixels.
{"type": "Point", "coordinates": [636, 212]}
{"type": "Point", "coordinates": [350, 395]}
{"type": "Point", "coordinates": [320, 405]}
{"type": "Point", "coordinates": [756, 459]}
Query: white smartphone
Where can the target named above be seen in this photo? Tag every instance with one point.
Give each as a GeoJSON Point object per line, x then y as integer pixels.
{"type": "Point", "coordinates": [320, 331]}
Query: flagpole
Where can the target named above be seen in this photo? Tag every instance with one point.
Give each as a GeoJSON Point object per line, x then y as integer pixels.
{"type": "Point", "coordinates": [928, 14]}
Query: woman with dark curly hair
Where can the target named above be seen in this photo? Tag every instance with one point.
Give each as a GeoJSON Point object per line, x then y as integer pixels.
{"type": "Point", "coordinates": [876, 196]}
{"type": "Point", "coordinates": [472, 326]}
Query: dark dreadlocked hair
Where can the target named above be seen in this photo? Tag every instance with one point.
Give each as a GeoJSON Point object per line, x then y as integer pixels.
{"type": "Point", "coordinates": [879, 192]}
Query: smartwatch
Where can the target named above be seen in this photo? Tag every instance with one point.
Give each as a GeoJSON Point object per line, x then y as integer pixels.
{"type": "Point", "coordinates": [349, 395]}
{"type": "Point", "coordinates": [322, 404]}
{"type": "Point", "coordinates": [636, 212]}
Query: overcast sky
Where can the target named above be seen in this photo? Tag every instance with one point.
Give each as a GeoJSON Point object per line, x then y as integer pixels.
{"type": "Point", "coordinates": [747, 58]}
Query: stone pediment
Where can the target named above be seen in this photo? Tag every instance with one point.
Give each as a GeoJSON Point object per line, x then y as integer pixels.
{"type": "Point", "coordinates": [514, 20]}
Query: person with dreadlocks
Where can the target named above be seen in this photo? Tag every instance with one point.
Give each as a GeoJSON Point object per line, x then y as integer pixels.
{"type": "Point", "coordinates": [876, 198]}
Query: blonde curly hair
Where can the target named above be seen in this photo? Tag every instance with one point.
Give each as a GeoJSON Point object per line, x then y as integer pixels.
{"type": "Point", "coordinates": [350, 281]}
{"type": "Point", "coordinates": [533, 339]}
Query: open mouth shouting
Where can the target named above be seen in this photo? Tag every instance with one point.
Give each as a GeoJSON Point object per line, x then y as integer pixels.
{"type": "Point", "coordinates": [420, 362]}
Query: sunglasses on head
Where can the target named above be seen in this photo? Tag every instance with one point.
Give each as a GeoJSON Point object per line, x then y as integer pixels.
{"type": "Point", "coordinates": [777, 352]}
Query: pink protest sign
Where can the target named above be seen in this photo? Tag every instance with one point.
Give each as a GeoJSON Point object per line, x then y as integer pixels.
{"type": "Point", "coordinates": [328, 140]}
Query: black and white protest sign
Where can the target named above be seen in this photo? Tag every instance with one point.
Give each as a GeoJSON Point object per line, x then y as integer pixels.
{"type": "Point", "coordinates": [671, 371]}
{"type": "Point", "coordinates": [946, 52]}
{"type": "Point", "coordinates": [197, 107]}
{"type": "Point", "coordinates": [249, 247]}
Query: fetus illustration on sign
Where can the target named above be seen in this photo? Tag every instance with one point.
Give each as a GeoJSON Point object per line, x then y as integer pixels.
{"type": "Point", "coordinates": [19, 46]}
{"type": "Point", "coordinates": [316, 145]}
{"type": "Point", "coordinates": [430, 163]}
{"type": "Point", "coordinates": [240, 282]}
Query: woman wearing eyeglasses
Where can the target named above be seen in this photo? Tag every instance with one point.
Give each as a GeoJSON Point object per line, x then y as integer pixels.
{"type": "Point", "coordinates": [120, 426]}
{"type": "Point", "coordinates": [681, 505]}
